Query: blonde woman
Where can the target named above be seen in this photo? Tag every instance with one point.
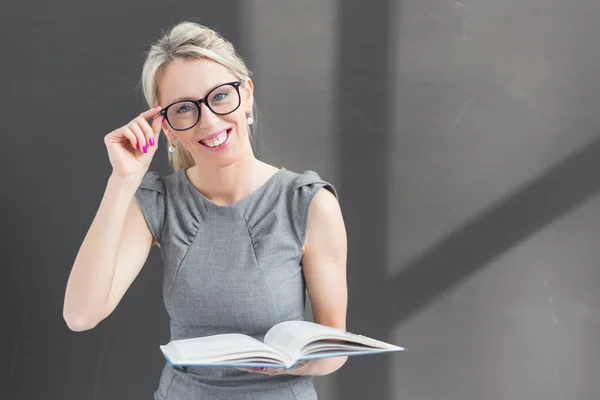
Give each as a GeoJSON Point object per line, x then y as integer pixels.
{"type": "Point", "coordinates": [240, 240]}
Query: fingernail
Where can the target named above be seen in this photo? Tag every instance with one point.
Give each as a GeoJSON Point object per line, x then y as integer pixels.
{"type": "Point", "coordinates": [145, 149]}
{"type": "Point", "coordinates": [163, 120]}
{"type": "Point", "coordinates": [137, 146]}
{"type": "Point", "coordinates": [151, 140]}
{"type": "Point", "coordinates": [157, 106]}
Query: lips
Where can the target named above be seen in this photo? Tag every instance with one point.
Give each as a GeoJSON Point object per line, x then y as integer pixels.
{"type": "Point", "coordinates": [218, 142]}
{"type": "Point", "coordinates": [214, 135]}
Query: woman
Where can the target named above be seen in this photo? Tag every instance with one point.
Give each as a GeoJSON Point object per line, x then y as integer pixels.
{"type": "Point", "coordinates": [241, 240]}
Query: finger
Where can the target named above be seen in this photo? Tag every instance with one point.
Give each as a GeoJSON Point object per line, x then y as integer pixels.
{"type": "Point", "coordinates": [150, 113]}
{"type": "Point", "coordinates": [157, 124]}
{"type": "Point", "coordinates": [278, 371]}
{"type": "Point", "coordinates": [301, 364]}
{"type": "Point", "coordinates": [149, 131]}
{"type": "Point", "coordinates": [253, 370]}
{"type": "Point", "coordinates": [272, 373]}
{"type": "Point", "coordinates": [135, 128]}
{"type": "Point", "coordinates": [131, 136]}
{"type": "Point", "coordinates": [268, 371]}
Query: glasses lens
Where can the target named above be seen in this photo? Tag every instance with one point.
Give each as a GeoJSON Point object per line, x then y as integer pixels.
{"type": "Point", "coordinates": [182, 115]}
{"type": "Point", "coordinates": [223, 99]}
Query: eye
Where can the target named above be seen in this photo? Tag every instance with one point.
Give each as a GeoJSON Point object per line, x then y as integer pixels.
{"type": "Point", "coordinates": [184, 108]}
{"type": "Point", "coordinates": [219, 96]}
{"type": "Point", "coordinates": [222, 95]}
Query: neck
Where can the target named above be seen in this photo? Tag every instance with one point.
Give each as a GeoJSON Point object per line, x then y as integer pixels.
{"type": "Point", "coordinates": [228, 184]}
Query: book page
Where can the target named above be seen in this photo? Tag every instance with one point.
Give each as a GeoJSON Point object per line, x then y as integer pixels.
{"type": "Point", "coordinates": [218, 349]}
{"type": "Point", "coordinates": [293, 337]}
{"type": "Point", "coordinates": [326, 345]}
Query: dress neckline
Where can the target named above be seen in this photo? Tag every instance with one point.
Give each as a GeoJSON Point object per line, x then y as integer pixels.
{"type": "Point", "coordinates": [182, 173]}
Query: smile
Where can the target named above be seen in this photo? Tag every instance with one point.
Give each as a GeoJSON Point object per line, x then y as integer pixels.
{"type": "Point", "coordinates": [217, 142]}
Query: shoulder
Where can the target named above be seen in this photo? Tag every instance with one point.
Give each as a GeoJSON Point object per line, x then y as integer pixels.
{"type": "Point", "coordinates": [323, 206]}
{"type": "Point", "coordinates": [324, 201]}
{"type": "Point", "coordinates": [155, 189]}
{"type": "Point", "coordinates": [151, 197]}
{"type": "Point", "coordinates": [308, 181]}
{"type": "Point", "coordinates": [157, 181]}
{"type": "Point", "coordinates": [325, 223]}
{"type": "Point", "coordinates": [309, 196]}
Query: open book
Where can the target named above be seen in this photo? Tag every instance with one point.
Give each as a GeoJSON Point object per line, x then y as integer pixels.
{"type": "Point", "coordinates": [285, 344]}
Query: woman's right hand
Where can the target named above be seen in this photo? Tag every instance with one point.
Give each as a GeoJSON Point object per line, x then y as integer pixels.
{"type": "Point", "coordinates": [132, 146]}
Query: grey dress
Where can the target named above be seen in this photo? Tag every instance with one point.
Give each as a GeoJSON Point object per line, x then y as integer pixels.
{"type": "Point", "coordinates": [230, 269]}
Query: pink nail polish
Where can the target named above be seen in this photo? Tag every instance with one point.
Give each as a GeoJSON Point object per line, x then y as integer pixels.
{"type": "Point", "coordinates": [157, 106]}
{"type": "Point", "coordinates": [137, 146]}
{"type": "Point", "coordinates": [145, 149]}
{"type": "Point", "coordinates": [151, 140]}
{"type": "Point", "coordinates": [163, 120]}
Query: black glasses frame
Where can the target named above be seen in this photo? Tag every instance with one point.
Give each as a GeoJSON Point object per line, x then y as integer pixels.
{"type": "Point", "coordinates": [204, 100]}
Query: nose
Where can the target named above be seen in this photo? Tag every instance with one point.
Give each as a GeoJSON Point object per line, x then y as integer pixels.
{"type": "Point", "coordinates": [208, 119]}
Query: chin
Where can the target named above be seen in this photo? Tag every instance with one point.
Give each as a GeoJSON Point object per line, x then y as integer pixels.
{"type": "Point", "coordinates": [222, 163]}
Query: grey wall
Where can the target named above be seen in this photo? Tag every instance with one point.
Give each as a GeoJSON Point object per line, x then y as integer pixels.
{"type": "Point", "coordinates": [463, 137]}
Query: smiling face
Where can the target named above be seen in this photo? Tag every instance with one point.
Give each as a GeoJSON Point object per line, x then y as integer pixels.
{"type": "Point", "coordinates": [216, 140]}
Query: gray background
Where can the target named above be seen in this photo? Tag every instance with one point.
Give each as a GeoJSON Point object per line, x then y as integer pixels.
{"type": "Point", "coordinates": [463, 137]}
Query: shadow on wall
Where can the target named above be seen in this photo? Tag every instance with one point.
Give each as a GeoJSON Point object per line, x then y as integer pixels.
{"type": "Point", "coordinates": [363, 71]}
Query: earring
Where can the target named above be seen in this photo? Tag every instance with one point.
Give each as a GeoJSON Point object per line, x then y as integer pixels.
{"type": "Point", "coordinates": [249, 119]}
{"type": "Point", "coordinates": [171, 148]}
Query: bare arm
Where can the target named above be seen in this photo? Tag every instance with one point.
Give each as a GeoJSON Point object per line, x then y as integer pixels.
{"type": "Point", "coordinates": [324, 265]}
{"type": "Point", "coordinates": [112, 254]}
{"type": "Point", "coordinates": [118, 241]}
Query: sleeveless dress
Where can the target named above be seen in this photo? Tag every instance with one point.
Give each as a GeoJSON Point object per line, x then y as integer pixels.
{"type": "Point", "coordinates": [230, 269]}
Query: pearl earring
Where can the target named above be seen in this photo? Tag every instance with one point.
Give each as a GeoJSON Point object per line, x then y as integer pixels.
{"type": "Point", "coordinates": [249, 120]}
{"type": "Point", "coordinates": [171, 148]}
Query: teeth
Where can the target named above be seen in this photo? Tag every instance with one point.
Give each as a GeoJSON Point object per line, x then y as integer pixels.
{"type": "Point", "coordinates": [216, 141]}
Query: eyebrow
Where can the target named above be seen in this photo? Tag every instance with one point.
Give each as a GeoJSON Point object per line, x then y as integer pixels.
{"type": "Point", "coordinates": [194, 98]}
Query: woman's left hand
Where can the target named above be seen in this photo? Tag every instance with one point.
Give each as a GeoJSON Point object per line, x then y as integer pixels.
{"type": "Point", "coordinates": [300, 369]}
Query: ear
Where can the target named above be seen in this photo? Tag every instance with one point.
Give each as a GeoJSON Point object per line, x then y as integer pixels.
{"type": "Point", "coordinates": [249, 93]}
{"type": "Point", "coordinates": [170, 136]}
{"type": "Point", "coordinates": [167, 131]}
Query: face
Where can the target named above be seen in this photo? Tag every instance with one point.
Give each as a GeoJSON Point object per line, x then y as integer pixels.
{"type": "Point", "coordinates": [215, 140]}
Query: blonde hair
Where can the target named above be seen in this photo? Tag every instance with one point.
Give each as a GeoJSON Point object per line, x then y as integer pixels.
{"type": "Point", "coordinates": [188, 40]}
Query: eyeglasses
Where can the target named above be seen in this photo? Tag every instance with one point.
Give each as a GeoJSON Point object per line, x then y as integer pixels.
{"type": "Point", "coordinates": [185, 114]}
